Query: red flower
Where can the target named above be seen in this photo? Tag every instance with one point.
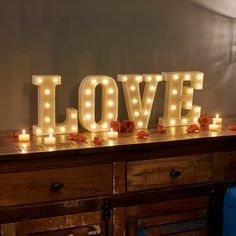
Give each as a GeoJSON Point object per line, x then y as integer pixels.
{"type": "Point", "coordinates": [193, 129]}
{"type": "Point", "coordinates": [77, 137]}
{"type": "Point", "coordinates": [142, 134]}
{"type": "Point", "coordinates": [97, 141]}
{"type": "Point", "coordinates": [204, 120]}
{"type": "Point", "coordinates": [115, 125]}
{"type": "Point", "coordinates": [127, 126]}
{"type": "Point", "coordinates": [232, 127]}
{"type": "Point", "coordinates": [160, 129]}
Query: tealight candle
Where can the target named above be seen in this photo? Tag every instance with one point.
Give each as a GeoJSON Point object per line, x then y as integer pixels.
{"type": "Point", "coordinates": [23, 137]}
{"type": "Point", "coordinates": [112, 134]}
{"type": "Point", "coordinates": [214, 127]}
{"type": "Point", "coordinates": [217, 120]}
{"type": "Point", "coordinates": [49, 140]}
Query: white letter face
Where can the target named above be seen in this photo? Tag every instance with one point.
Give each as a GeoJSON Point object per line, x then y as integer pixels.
{"type": "Point", "coordinates": [87, 102]}
{"type": "Point", "coordinates": [139, 110]}
{"type": "Point", "coordinates": [179, 96]}
{"type": "Point", "coordinates": [46, 108]}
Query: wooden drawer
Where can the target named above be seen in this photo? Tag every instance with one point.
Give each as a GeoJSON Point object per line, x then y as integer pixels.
{"type": "Point", "coordinates": [230, 165]}
{"type": "Point", "coordinates": [37, 186]}
{"type": "Point", "coordinates": [149, 174]}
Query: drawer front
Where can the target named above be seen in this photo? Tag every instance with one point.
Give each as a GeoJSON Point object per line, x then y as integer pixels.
{"type": "Point", "coordinates": [167, 172]}
{"type": "Point", "coordinates": [57, 184]}
{"type": "Point", "coordinates": [230, 165]}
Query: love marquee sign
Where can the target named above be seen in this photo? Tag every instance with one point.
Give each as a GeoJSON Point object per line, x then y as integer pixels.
{"type": "Point", "coordinates": [139, 108]}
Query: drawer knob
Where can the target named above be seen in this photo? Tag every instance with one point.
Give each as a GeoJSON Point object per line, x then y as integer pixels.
{"type": "Point", "coordinates": [56, 186]}
{"type": "Point", "coordinates": [175, 173]}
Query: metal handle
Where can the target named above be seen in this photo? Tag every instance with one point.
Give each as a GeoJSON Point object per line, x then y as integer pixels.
{"type": "Point", "coordinates": [56, 186]}
{"type": "Point", "coordinates": [175, 173]}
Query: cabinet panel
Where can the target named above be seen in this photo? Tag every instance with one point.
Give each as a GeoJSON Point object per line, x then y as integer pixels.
{"type": "Point", "coordinates": [165, 172]}
{"type": "Point", "coordinates": [230, 165]}
{"type": "Point", "coordinates": [57, 184]}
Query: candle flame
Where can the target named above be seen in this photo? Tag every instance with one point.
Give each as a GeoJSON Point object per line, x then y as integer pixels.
{"type": "Point", "coordinates": [50, 135]}
{"type": "Point", "coordinates": [111, 130]}
{"type": "Point", "coordinates": [217, 115]}
{"type": "Point", "coordinates": [23, 132]}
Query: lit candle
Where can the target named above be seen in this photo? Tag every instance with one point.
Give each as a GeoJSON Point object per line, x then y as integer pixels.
{"type": "Point", "coordinates": [49, 140]}
{"type": "Point", "coordinates": [214, 127]}
{"type": "Point", "coordinates": [112, 134]}
{"type": "Point", "coordinates": [23, 137]}
{"type": "Point", "coordinates": [217, 120]}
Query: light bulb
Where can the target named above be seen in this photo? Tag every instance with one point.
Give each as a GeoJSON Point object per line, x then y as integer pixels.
{"type": "Point", "coordinates": [105, 125]}
{"type": "Point", "coordinates": [51, 130]}
{"type": "Point", "coordinates": [173, 107]}
{"type": "Point", "coordinates": [152, 88]}
{"type": "Point", "coordinates": [138, 78]}
{"type": "Point", "coordinates": [172, 122]}
{"type": "Point", "coordinates": [47, 105]}
{"type": "Point", "coordinates": [73, 128]}
{"type": "Point", "coordinates": [190, 91]}
{"type": "Point", "coordinates": [175, 77]}
{"type": "Point", "coordinates": [174, 92]}
{"type": "Point", "coordinates": [199, 86]}
{"type": "Point", "coordinates": [73, 116]}
{"type": "Point", "coordinates": [47, 91]}
{"type": "Point", "coordinates": [94, 81]}
{"type": "Point", "coordinates": [55, 80]}
{"type": "Point", "coordinates": [135, 101]}
{"type": "Point", "coordinates": [149, 100]}
{"type": "Point", "coordinates": [158, 78]}
{"type": "Point", "coordinates": [136, 113]}
{"type": "Point", "coordinates": [105, 81]}
{"type": "Point", "coordinates": [132, 88]}
{"type": "Point", "coordinates": [110, 91]}
{"type": "Point", "coordinates": [47, 119]}
{"type": "Point", "coordinates": [124, 78]}
{"type": "Point", "coordinates": [110, 115]}
{"type": "Point", "coordinates": [184, 121]}
{"type": "Point", "coordinates": [189, 104]}
{"type": "Point", "coordinates": [87, 117]}
{"type": "Point", "coordinates": [197, 109]}
{"type": "Point", "coordinates": [93, 126]}
{"type": "Point", "coordinates": [199, 76]}
{"type": "Point", "coordinates": [187, 77]}
{"type": "Point", "coordinates": [145, 112]}
{"type": "Point", "coordinates": [88, 104]}
{"type": "Point", "coordinates": [140, 123]}
{"type": "Point", "coordinates": [149, 78]}
{"type": "Point", "coordinates": [88, 91]}
{"type": "Point", "coordinates": [195, 119]}
{"type": "Point", "coordinates": [110, 103]}
{"type": "Point", "coordinates": [62, 129]}
{"type": "Point", "coordinates": [39, 131]}
{"type": "Point", "coordinates": [40, 81]}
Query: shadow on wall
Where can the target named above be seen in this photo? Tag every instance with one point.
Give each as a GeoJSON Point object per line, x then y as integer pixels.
{"type": "Point", "coordinates": [79, 38]}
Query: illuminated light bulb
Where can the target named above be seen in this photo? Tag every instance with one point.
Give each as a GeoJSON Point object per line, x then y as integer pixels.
{"type": "Point", "coordinates": [175, 77]}
{"type": "Point", "coordinates": [152, 88]}
{"type": "Point", "coordinates": [145, 112]}
{"type": "Point", "coordinates": [184, 121]}
{"type": "Point", "coordinates": [149, 78]}
{"type": "Point", "coordinates": [88, 104]}
{"type": "Point", "coordinates": [73, 128]}
{"type": "Point", "coordinates": [135, 101]}
{"type": "Point", "coordinates": [62, 129]}
{"type": "Point", "coordinates": [149, 100]}
{"type": "Point", "coordinates": [158, 78]}
{"type": "Point", "coordinates": [132, 88]}
{"type": "Point", "coordinates": [172, 122]}
{"type": "Point", "coordinates": [199, 76]}
{"type": "Point", "coordinates": [190, 91]}
{"type": "Point", "coordinates": [136, 113]}
{"type": "Point", "coordinates": [73, 116]}
{"type": "Point", "coordinates": [138, 78]}
{"type": "Point", "coordinates": [105, 81]}
{"type": "Point", "coordinates": [189, 104]}
{"type": "Point", "coordinates": [110, 91]}
{"type": "Point", "coordinates": [140, 123]}
{"type": "Point", "coordinates": [197, 109]}
{"type": "Point", "coordinates": [173, 107]}
{"type": "Point", "coordinates": [88, 91]}
{"type": "Point", "coordinates": [110, 115]}
{"type": "Point", "coordinates": [47, 105]}
{"type": "Point", "coordinates": [87, 117]}
{"type": "Point", "coordinates": [39, 131]}
{"type": "Point", "coordinates": [47, 119]}
{"type": "Point", "coordinates": [40, 81]}
{"type": "Point", "coordinates": [93, 126]}
{"type": "Point", "coordinates": [94, 81]}
{"type": "Point", "coordinates": [55, 80]}
{"type": "Point", "coordinates": [110, 103]}
{"type": "Point", "coordinates": [187, 76]}
{"type": "Point", "coordinates": [47, 91]}
{"type": "Point", "coordinates": [125, 78]}
{"type": "Point", "coordinates": [174, 92]}
{"type": "Point", "coordinates": [51, 130]}
{"type": "Point", "coordinates": [195, 119]}
{"type": "Point", "coordinates": [105, 125]}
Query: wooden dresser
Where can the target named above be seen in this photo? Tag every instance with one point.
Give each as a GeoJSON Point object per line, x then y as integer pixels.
{"type": "Point", "coordinates": [168, 184]}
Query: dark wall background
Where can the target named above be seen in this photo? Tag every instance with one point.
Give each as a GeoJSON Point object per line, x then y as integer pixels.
{"type": "Point", "coordinates": [75, 38]}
